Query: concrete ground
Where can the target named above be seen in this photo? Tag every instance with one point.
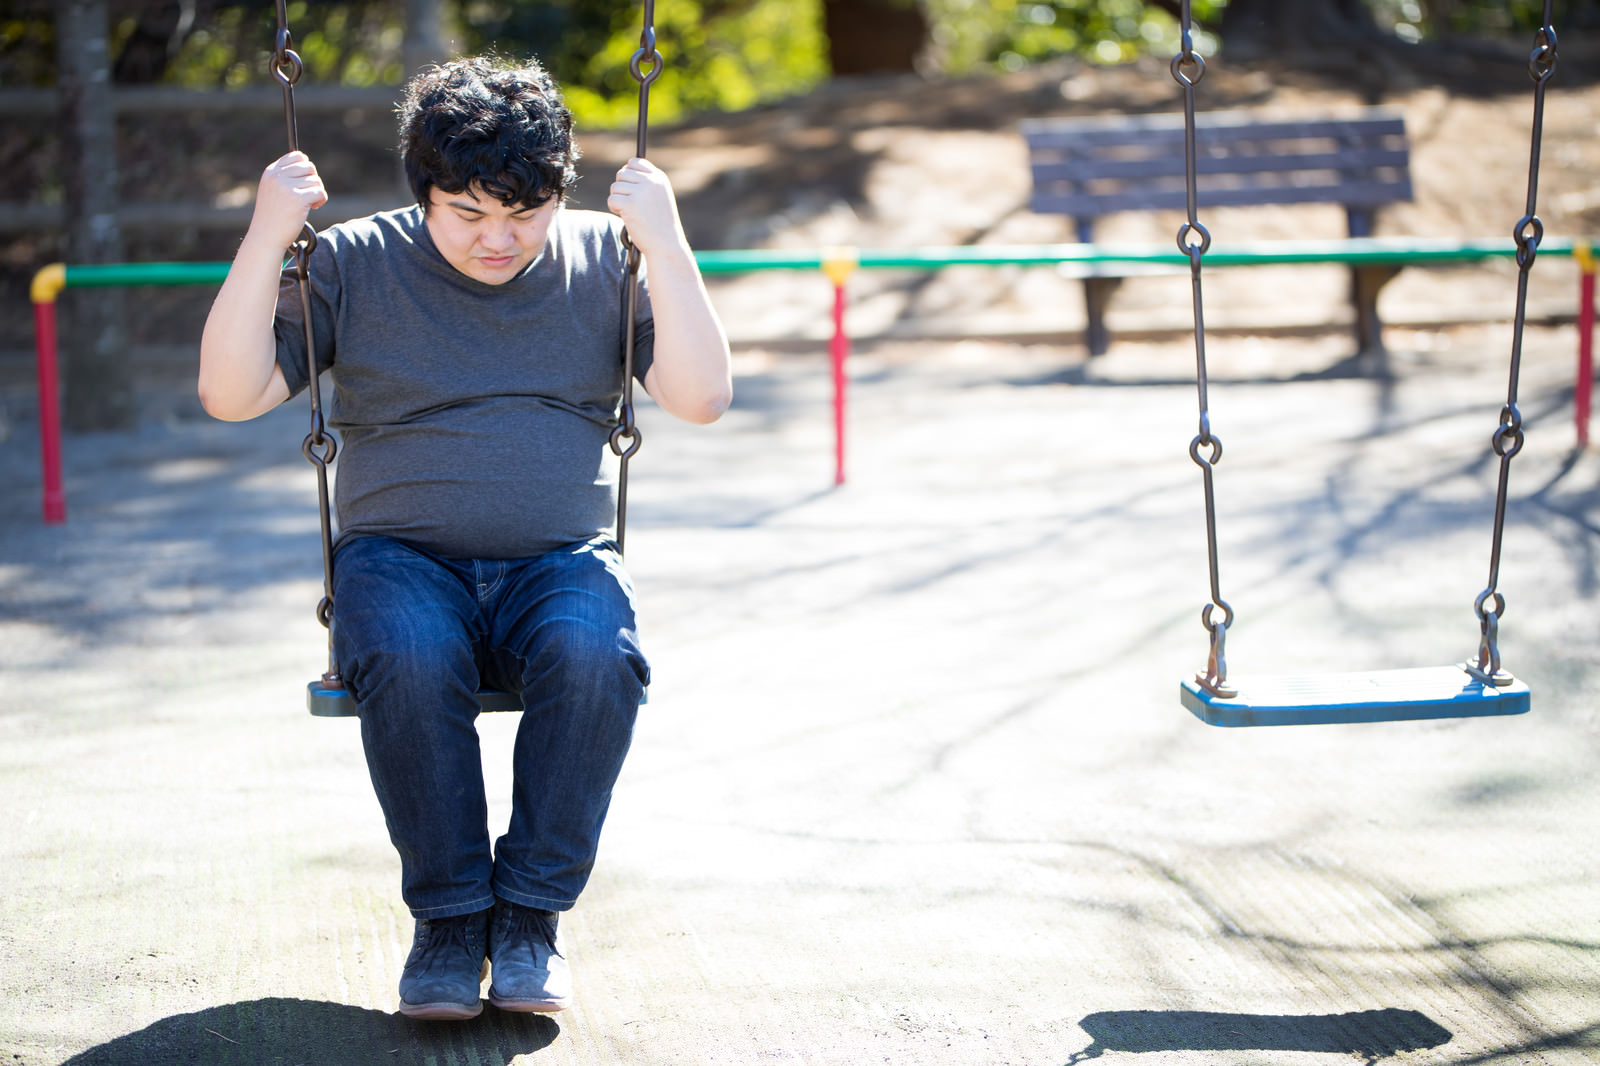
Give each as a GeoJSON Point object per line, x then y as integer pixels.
{"type": "Point", "coordinates": [914, 785]}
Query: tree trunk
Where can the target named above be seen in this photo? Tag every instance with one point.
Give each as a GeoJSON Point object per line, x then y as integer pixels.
{"type": "Point", "coordinates": [97, 382]}
{"type": "Point", "coordinates": [874, 36]}
{"type": "Point", "coordinates": [425, 37]}
{"type": "Point", "coordinates": [159, 29]}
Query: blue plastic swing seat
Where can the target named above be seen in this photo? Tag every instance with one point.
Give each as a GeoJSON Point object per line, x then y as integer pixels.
{"type": "Point", "coordinates": [1378, 696]}
{"type": "Point", "coordinates": [325, 702]}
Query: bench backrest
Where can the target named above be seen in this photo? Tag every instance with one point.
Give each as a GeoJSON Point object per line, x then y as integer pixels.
{"type": "Point", "coordinates": [1095, 166]}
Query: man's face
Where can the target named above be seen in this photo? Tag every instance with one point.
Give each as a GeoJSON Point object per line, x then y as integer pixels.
{"type": "Point", "coordinates": [484, 238]}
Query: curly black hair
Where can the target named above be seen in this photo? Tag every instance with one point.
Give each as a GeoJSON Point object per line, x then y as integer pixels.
{"type": "Point", "coordinates": [487, 123]}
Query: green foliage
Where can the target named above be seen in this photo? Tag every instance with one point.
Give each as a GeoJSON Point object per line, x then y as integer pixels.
{"type": "Point", "coordinates": [1415, 20]}
{"type": "Point", "coordinates": [27, 45]}
{"type": "Point", "coordinates": [1010, 34]}
{"type": "Point", "coordinates": [354, 42]}
{"type": "Point", "coordinates": [717, 54]}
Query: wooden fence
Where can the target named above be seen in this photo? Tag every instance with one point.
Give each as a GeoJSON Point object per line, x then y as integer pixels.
{"type": "Point", "coordinates": [17, 104]}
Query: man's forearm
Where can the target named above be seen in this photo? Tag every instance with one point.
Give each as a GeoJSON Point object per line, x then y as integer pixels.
{"type": "Point", "coordinates": [690, 375]}
{"type": "Point", "coordinates": [239, 375]}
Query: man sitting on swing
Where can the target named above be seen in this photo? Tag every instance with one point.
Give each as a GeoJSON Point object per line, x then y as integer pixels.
{"type": "Point", "coordinates": [475, 340]}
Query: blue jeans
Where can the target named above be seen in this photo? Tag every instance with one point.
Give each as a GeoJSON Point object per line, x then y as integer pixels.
{"type": "Point", "coordinates": [415, 636]}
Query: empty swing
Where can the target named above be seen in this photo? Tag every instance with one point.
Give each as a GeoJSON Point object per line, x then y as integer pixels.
{"type": "Point", "coordinates": [1480, 687]}
{"type": "Point", "coordinates": [327, 697]}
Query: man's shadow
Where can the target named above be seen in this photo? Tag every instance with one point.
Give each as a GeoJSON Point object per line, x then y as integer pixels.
{"type": "Point", "coordinates": [1370, 1034]}
{"type": "Point", "coordinates": [267, 1032]}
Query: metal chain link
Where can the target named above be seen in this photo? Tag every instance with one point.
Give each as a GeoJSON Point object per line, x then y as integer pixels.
{"type": "Point", "coordinates": [319, 447]}
{"type": "Point", "coordinates": [1187, 69]}
{"type": "Point", "coordinates": [1508, 438]}
{"type": "Point", "coordinates": [626, 436]}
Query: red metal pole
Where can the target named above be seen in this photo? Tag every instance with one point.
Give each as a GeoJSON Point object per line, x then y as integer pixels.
{"type": "Point", "coordinates": [839, 350]}
{"type": "Point", "coordinates": [46, 284]}
{"type": "Point", "coordinates": [838, 264]}
{"type": "Point", "coordinates": [1583, 392]}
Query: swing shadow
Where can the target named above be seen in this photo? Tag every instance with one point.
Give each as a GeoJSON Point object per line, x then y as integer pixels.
{"type": "Point", "coordinates": [1372, 1034]}
{"type": "Point", "coordinates": [283, 1030]}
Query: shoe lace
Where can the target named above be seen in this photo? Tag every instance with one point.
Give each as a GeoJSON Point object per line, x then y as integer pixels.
{"type": "Point", "coordinates": [444, 935]}
{"type": "Point", "coordinates": [526, 921]}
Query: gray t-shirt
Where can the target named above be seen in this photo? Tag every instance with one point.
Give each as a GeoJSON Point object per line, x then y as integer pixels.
{"type": "Point", "coordinates": [474, 419]}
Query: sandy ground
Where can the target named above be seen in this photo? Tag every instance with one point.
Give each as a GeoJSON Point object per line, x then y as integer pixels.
{"type": "Point", "coordinates": [914, 785]}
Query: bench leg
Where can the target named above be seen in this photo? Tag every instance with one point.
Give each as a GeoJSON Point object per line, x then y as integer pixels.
{"type": "Point", "coordinates": [1096, 297]}
{"type": "Point", "coordinates": [1366, 282]}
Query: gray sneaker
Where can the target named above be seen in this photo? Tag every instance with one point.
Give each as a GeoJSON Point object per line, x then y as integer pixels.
{"type": "Point", "coordinates": [530, 973]}
{"type": "Point", "coordinates": [445, 968]}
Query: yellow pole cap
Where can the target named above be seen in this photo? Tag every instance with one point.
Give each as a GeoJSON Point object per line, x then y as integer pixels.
{"type": "Point", "coordinates": [1584, 255]}
{"type": "Point", "coordinates": [48, 283]}
{"type": "Point", "coordinates": [839, 262]}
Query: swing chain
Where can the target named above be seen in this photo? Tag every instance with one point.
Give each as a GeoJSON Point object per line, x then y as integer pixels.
{"type": "Point", "coordinates": [319, 447]}
{"type": "Point", "coordinates": [1508, 436]}
{"type": "Point", "coordinates": [1542, 60]}
{"type": "Point", "coordinates": [286, 63]}
{"type": "Point", "coordinates": [1194, 240]}
{"type": "Point", "coordinates": [1507, 439]}
{"type": "Point", "coordinates": [625, 435]}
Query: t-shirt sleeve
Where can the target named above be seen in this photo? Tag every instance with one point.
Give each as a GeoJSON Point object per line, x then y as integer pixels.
{"type": "Point", "coordinates": [289, 324]}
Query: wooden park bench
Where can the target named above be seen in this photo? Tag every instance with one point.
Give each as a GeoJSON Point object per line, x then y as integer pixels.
{"type": "Point", "coordinates": [1091, 167]}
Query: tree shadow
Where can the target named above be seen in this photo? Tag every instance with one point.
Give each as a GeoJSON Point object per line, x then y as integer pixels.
{"type": "Point", "coordinates": [264, 1032]}
{"type": "Point", "coordinates": [1371, 1034]}
{"type": "Point", "coordinates": [171, 522]}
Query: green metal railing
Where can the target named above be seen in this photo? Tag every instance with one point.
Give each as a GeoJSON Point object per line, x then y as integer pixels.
{"type": "Point", "coordinates": [838, 263]}
{"type": "Point", "coordinates": [1354, 251]}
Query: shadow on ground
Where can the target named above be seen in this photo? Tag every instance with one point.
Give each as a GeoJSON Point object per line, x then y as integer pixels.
{"type": "Point", "coordinates": [268, 1031]}
{"type": "Point", "coordinates": [1370, 1034]}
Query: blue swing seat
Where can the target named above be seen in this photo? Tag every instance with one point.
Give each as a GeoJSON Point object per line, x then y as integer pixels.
{"type": "Point", "coordinates": [1377, 696]}
{"type": "Point", "coordinates": [325, 702]}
